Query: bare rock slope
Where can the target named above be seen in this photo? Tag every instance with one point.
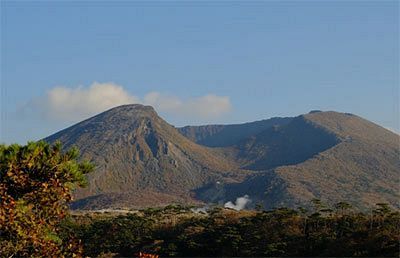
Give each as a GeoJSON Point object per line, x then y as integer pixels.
{"type": "Point", "coordinates": [143, 161]}
{"type": "Point", "coordinates": [326, 155]}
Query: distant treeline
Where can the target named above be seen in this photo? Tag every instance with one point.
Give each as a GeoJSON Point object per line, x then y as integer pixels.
{"type": "Point", "coordinates": [177, 231]}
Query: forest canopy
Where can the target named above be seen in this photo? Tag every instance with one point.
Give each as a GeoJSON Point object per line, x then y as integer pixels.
{"type": "Point", "coordinates": [178, 231]}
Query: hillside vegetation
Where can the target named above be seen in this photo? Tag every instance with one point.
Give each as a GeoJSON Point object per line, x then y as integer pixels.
{"type": "Point", "coordinates": [176, 231]}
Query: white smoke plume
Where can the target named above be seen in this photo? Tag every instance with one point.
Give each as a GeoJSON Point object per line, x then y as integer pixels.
{"type": "Point", "coordinates": [240, 203]}
{"type": "Point", "coordinates": [200, 210]}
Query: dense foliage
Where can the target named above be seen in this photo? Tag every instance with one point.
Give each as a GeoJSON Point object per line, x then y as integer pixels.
{"type": "Point", "coordinates": [35, 187]}
{"type": "Point", "coordinates": [176, 231]}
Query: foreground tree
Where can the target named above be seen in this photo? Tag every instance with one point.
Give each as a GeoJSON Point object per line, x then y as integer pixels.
{"type": "Point", "coordinates": [36, 181]}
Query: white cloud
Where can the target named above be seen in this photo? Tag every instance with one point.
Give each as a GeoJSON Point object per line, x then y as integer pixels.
{"type": "Point", "coordinates": [74, 104]}
{"type": "Point", "coordinates": [69, 104]}
{"type": "Point", "coordinates": [206, 107]}
{"type": "Point", "coordinates": [162, 102]}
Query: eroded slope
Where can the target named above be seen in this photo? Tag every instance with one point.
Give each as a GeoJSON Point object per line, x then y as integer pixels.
{"type": "Point", "coordinates": [136, 151]}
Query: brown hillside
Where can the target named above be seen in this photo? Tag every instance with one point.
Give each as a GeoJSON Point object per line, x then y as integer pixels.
{"type": "Point", "coordinates": [326, 155]}
{"type": "Point", "coordinates": [229, 135]}
{"type": "Point", "coordinates": [363, 168]}
{"type": "Point", "coordinates": [136, 151]}
{"type": "Point", "coordinates": [143, 161]}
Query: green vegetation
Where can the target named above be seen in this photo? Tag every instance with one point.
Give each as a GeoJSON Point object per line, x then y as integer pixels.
{"type": "Point", "coordinates": [176, 231]}
{"type": "Point", "coordinates": [35, 187]}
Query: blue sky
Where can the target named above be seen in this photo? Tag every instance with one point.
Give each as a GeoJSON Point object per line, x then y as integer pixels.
{"type": "Point", "coordinates": [196, 62]}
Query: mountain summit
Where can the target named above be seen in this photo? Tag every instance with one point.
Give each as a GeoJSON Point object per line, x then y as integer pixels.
{"type": "Point", "coordinates": [143, 161]}
{"type": "Point", "coordinates": [326, 155]}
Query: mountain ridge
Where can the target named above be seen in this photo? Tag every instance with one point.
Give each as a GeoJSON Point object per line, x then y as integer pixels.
{"type": "Point", "coordinates": [135, 150]}
{"type": "Point", "coordinates": [219, 135]}
{"type": "Point", "coordinates": [278, 161]}
{"type": "Point", "coordinates": [362, 167]}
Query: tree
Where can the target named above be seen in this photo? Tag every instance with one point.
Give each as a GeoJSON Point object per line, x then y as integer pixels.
{"type": "Point", "coordinates": [342, 207]}
{"type": "Point", "coordinates": [36, 181]}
